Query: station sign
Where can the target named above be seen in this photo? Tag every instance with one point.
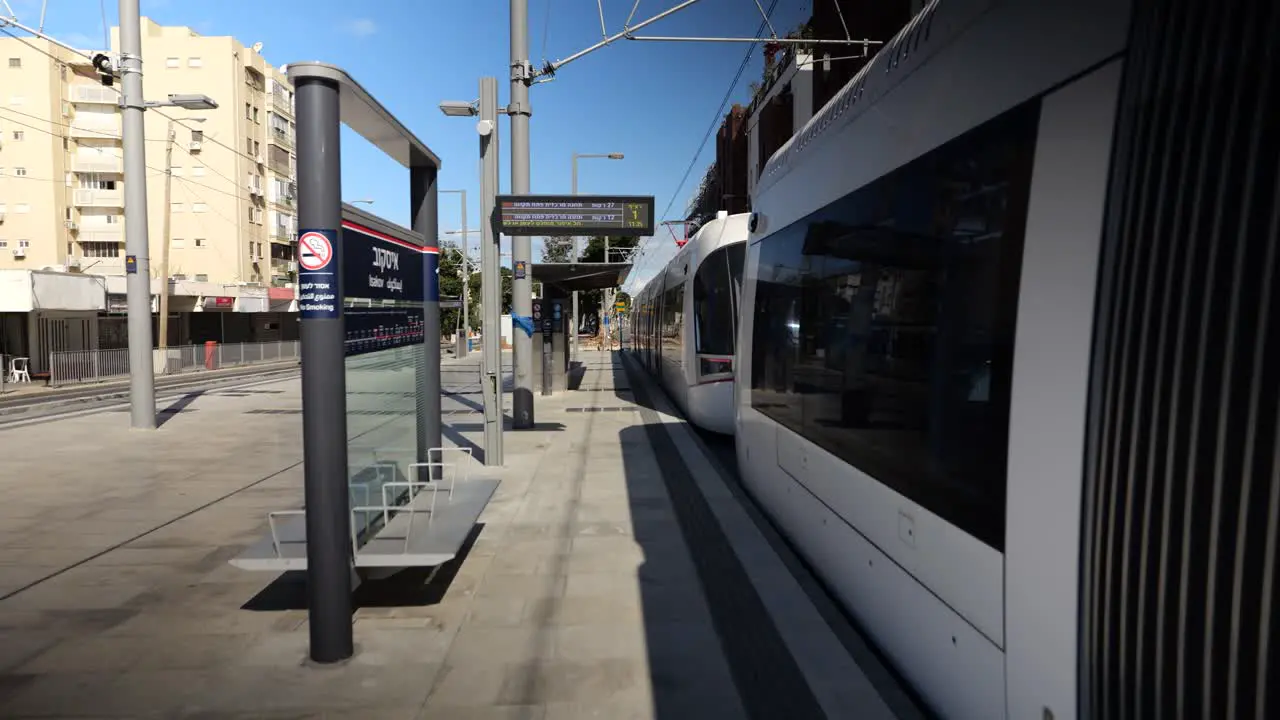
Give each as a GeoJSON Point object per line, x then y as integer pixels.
{"type": "Point", "coordinates": [615, 215]}
{"type": "Point", "coordinates": [382, 288]}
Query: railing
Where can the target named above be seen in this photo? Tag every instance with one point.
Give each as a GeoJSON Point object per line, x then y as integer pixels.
{"type": "Point", "coordinates": [72, 367]}
{"type": "Point", "coordinates": [84, 197]}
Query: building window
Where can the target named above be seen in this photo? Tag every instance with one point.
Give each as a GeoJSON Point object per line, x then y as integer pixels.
{"type": "Point", "coordinates": [251, 220]}
{"type": "Point", "coordinates": [112, 219]}
{"type": "Point", "coordinates": [19, 135]}
{"type": "Point", "coordinates": [4, 243]}
{"type": "Point", "coordinates": [175, 207]}
{"type": "Point", "coordinates": [200, 242]}
{"type": "Point", "coordinates": [15, 63]}
{"type": "Point", "coordinates": [248, 111]}
{"type": "Point", "coordinates": [199, 207]}
{"type": "Point", "coordinates": [176, 170]}
{"type": "Point", "coordinates": [172, 62]}
{"type": "Point", "coordinates": [177, 243]}
{"type": "Point", "coordinates": [197, 136]}
{"type": "Point", "coordinates": [255, 116]}
{"type": "Point", "coordinates": [20, 172]}
{"type": "Point", "coordinates": [257, 148]}
{"type": "Point", "coordinates": [99, 249]}
{"type": "Point", "coordinates": [202, 277]}
{"type": "Point", "coordinates": [195, 62]}
{"type": "Point", "coordinates": [24, 243]}
{"type": "Point", "coordinates": [197, 170]}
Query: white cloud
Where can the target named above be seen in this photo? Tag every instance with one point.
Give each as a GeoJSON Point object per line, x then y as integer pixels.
{"type": "Point", "coordinates": [361, 27]}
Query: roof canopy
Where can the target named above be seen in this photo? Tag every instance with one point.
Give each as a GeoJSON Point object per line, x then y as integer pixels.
{"type": "Point", "coordinates": [569, 277]}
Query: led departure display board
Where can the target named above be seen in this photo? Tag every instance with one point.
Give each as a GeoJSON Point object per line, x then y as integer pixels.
{"type": "Point", "coordinates": [616, 215]}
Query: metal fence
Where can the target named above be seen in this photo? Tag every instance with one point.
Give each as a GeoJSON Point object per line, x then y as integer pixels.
{"type": "Point", "coordinates": [71, 367]}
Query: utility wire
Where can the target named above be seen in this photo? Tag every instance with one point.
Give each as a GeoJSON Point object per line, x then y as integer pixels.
{"type": "Point", "coordinates": [179, 121]}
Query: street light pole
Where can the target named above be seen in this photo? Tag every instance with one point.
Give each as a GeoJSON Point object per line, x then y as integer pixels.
{"type": "Point", "coordinates": [163, 323]}
{"type": "Point", "coordinates": [577, 253]}
{"type": "Point", "coordinates": [142, 390]}
{"type": "Point", "coordinates": [522, 245]}
{"type": "Point", "coordinates": [491, 273]}
{"type": "Point", "coordinates": [466, 278]}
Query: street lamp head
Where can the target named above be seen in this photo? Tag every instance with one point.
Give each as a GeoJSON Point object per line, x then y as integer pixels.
{"type": "Point", "coordinates": [615, 156]}
{"type": "Point", "coordinates": [459, 108]}
{"type": "Point", "coordinates": [193, 102]}
{"type": "Point", "coordinates": [364, 200]}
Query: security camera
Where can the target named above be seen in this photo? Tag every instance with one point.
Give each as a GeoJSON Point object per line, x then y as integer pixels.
{"type": "Point", "coordinates": [754, 222]}
{"type": "Point", "coordinates": [105, 67]}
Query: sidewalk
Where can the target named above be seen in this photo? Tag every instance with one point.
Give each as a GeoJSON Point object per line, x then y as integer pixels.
{"type": "Point", "coordinates": [606, 580]}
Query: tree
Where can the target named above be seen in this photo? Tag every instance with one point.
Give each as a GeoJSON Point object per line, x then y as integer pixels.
{"type": "Point", "coordinates": [557, 249]}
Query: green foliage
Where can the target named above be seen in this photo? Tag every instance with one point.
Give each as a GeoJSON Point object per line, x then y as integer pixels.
{"type": "Point", "coordinates": [557, 249]}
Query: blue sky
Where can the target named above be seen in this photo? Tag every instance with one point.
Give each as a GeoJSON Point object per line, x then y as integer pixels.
{"type": "Point", "coordinates": [652, 101]}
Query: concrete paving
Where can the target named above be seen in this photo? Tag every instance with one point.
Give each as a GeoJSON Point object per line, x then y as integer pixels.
{"type": "Point", "coordinates": [580, 596]}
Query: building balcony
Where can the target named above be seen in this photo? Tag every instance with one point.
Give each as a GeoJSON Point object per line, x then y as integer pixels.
{"type": "Point", "coordinates": [282, 236]}
{"type": "Point", "coordinates": [102, 265]}
{"type": "Point", "coordinates": [101, 234]}
{"type": "Point", "coordinates": [283, 265]}
{"type": "Point", "coordinates": [94, 95]}
{"type": "Point", "coordinates": [96, 130]}
{"type": "Point", "coordinates": [98, 198]}
{"type": "Point", "coordinates": [106, 164]}
{"type": "Point", "coordinates": [280, 103]}
{"type": "Point", "coordinates": [281, 138]}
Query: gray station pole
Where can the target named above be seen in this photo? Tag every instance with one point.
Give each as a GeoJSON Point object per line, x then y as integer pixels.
{"type": "Point", "coordinates": [466, 281]}
{"type": "Point", "coordinates": [577, 255]}
{"type": "Point", "coordinates": [521, 246]}
{"type": "Point", "coordinates": [425, 208]}
{"type": "Point", "coordinates": [491, 275]}
{"type": "Point", "coordinates": [142, 379]}
{"type": "Point", "coordinates": [324, 391]}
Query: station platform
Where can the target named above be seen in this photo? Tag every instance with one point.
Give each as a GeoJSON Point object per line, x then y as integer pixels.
{"type": "Point", "coordinates": [617, 573]}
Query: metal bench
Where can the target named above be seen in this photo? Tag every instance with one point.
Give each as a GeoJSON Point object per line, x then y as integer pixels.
{"type": "Point", "coordinates": [415, 522]}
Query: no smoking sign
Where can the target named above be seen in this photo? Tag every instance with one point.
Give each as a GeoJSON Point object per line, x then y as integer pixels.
{"type": "Point", "coordinates": [314, 251]}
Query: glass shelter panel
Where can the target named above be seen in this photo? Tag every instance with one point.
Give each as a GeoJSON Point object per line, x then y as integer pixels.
{"type": "Point", "coordinates": [383, 319]}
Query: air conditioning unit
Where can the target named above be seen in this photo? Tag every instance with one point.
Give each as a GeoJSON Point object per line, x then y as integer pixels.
{"type": "Point", "coordinates": [260, 160]}
{"type": "Point", "coordinates": [293, 266]}
{"type": "Point", "coordinates": [73, 263]}
{"type": "Point", "coordinates": [194, 145]}
{"type": "Point", "coordinates": [71, 225]}
{"type": "Point", "coordinates": [20, 252]}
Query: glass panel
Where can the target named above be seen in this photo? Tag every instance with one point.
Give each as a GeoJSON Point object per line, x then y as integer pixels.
{"type": "Point", "coordinates": [382, 318]}
{"type": "Point", "coordinates": [713, 305]}
{"type": "Point", "coordinates": [884, 323]}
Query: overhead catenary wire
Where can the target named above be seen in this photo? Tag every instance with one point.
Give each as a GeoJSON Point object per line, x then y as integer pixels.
{"type": "Point", "coordinates": [715, 124]}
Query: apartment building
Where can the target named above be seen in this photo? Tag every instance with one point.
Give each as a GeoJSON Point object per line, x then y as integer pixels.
{"type": "Point", "coordinates": [34, 156]}
{"type": "Point", "coordinates": [230, 208]}
{"type": "Point", "coordinates": [225, 223]}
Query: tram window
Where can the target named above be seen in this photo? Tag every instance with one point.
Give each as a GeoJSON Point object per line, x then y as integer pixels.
{"type": "Point", "coordinates": [673, 322]}
{"type": "Point", "coordinates": [713, 305]}
{"type": "Point", "coordinates": [884, 323]}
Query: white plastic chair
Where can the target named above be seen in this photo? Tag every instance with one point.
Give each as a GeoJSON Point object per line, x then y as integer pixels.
{"type": "Point", "coordinates": [19, 370]}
